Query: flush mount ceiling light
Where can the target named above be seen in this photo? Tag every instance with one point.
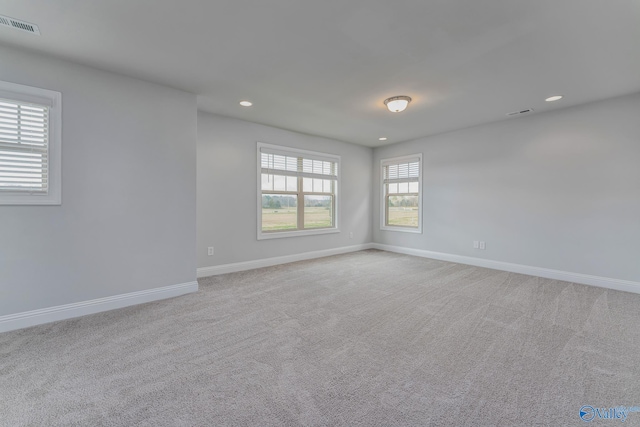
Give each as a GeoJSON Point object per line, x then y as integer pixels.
{"type": "Point", "coordinates": [382, 138]}
{"type": "Point", "coordinates": [246, 103]}
{"type": "Point", "coordinates": [554, 98]}
{"type": "Point", "coordinates": [396, 104]}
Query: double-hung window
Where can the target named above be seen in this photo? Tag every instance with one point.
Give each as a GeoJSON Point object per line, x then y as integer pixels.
{"type": "Point", "coordinates": [297, 192]}
{"type": "Point", "coordinates": [30, 139]}
{"type": "Point", "coordinates": [401, 194]}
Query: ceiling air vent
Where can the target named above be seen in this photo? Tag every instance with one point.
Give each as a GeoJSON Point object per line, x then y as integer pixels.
{"type": "Point", "coordinates": [517, 113]}
{"type": "Point", "coordinates": [19, 25]}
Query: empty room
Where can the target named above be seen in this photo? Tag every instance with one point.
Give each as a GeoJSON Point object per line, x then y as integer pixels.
{"type": "Point", "coordinates": [335, 213]}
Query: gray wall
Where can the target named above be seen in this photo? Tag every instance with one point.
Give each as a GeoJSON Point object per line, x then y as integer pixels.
{"type": "Point", "coordinates": [558, 190]}
{"type": "Point", "coordinates": [127, 219]}
{"type": "Point", "coordinates": [227, 171]}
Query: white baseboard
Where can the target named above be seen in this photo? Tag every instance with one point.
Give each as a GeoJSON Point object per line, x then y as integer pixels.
{"type": "Point", "coordinates": [68, 311]}
{"type": "Point", "coordinates": [268, 262]}
{"type": "Point", "coordinates": [585, 279]}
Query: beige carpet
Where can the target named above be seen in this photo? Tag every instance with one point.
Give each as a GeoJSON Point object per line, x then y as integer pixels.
{"type": "Point", "coordinates": [363, 339]}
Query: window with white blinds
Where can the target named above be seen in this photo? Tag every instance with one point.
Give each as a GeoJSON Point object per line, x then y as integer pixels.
{"type": "Point", "coordinates": [401, 193]}
{"type": "Point", "coordinates": [297, 192]}
{"type": "Point", "coordinates": [29, 149]}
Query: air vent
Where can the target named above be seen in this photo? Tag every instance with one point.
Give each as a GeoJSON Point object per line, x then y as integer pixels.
{"type": "Point", "coordinates": [517, 113]}
{"type": "Point", "coordinates": [19, 25]}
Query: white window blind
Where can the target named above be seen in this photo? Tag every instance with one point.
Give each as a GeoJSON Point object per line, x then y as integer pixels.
{"type": "Point", "coordinates": [405, 171]}
{"type": "Point", "coordinates": [24, 147]}
{"type": "Point", "coordinates": [300, 165]}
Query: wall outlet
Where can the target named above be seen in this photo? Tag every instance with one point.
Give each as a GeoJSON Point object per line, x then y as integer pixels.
{"type": "Point", "coordinates": [210, 250]}
{"type": "Point", "coordinates": [351, 234]}
{"type": "Point", "coordinates": [476, 244]}
{"type": "Point", "coordinates": [483, 246]}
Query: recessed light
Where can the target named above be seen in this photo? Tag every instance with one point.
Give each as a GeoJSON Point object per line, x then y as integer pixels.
{"type": "Point", "coordinates": [554, 98]}
{"type": "Point", "coordinates": [382, 138]}
{"type": "Point", "coordinates": [246, 103]}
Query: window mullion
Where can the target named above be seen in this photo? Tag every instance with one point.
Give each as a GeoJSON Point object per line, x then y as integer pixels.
{"type": "Point", "coordinates": [386, 209]}
{"type": "Point", "coordinates": [300, 196]}
{"type": "Point", "coordinates": [333, 210]}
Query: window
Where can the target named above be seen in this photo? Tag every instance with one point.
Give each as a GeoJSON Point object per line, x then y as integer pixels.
{"type": "Point", "coordinates": [297, 192]}
{"type": "Point", "coordinates": [30, 145]}
{"type": "Point", "coordinates": [401, 194]}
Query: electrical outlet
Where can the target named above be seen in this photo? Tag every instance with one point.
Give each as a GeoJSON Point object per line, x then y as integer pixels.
{"type": "Point", "coordinates": [483, 246]}
{"type": "Point", "coordinates": [210, 250]}
{"type": "Point", "coordinates": [351, 234]}
{"type": "Point", "coordinates": [476, 244]}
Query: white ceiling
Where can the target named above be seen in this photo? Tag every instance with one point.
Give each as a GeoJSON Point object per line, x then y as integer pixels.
{"type": "Point", "coordinates": [324, 67]}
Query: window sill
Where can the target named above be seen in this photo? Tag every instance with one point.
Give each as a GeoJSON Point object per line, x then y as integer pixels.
{"type": "Point", "coordinates": [296, 233]}
{"type": "Point", "coordinates": [30, 199]}
{"type": "Point", "coordinates": [402, 229]}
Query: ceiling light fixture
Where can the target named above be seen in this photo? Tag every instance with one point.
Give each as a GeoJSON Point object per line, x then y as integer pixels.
{"type": "Point", "coordinates": [396, 104]}
{"type": "Point", "coordinates": [554, 98]}
{"type": "Point", "coordinates": [382, 138]}
{"type": "Point", "coordinates": [246, 103]}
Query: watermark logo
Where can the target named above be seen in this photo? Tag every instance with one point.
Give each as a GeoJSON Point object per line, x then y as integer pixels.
{"type": "Point", "coordinates": [589, 413]}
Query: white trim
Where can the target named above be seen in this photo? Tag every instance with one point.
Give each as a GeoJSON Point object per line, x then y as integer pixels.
{"type": "Point", "coordinates": [69, 311]}
{"type": "Point", "coordinates": [382, 207]}
{"type": "Point", "coordinates": [296, 233]}
{"type": "Point", "coordinates": [53, 100]}
{"type": "Point", "coordinates": [290, 151]}
{"type": "Point", "coordinates": [585, 279]}
{"type": "Point", "coordinates": [268, 262]}
{"type": "Point", "coordinates": [401, 159]}
{"type": "Point", "coordinates": [401, 229]}
{"type": "Point", "coordinates": [287, 151]}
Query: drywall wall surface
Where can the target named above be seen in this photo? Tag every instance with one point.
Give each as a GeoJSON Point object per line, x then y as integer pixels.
{"type": "Point", "coordinates": [558, 190]}
{"type": "Point", "coordinates": [127, 219]}
{"type": "Point", "coordinates": [227, 192]}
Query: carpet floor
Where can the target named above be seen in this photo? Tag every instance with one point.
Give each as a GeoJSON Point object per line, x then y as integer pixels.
{"type": "Point", "coordinates": [364, 339]}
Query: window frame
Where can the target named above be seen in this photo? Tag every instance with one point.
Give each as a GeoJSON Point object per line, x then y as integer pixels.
{"type": "Point", "coordinates": [53, 100]}
{"type": "Point", "coordinates": [300, 193]}
{"type": "Point", "coordinates": [383, 194]}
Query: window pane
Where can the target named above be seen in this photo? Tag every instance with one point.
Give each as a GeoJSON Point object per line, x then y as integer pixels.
{"type": "Point", "coordinates": [292, 163]}
{"type": "Point", "coordinates": [279, 162]}
{"type": "Point", "coordinates": [307, 185]}
{"type": "Point", "coordinates": [392, 172]}
{"type": "Point", "coordinates": [279, 182]}
{"type": "Point", "coordinates": [307, 165]}
{"type": "Point", "coordinates": [292, 183]}
{"type": "Point", "coordinates": [279, 212]}
{"type": "Point", "coordinates": [318, 211]}
{"type": "Point", "coordinates": [414, 169]}
{"type": "Point", "coordinates": [403, 187]}
{"type": "Point", "coordinates": [403, 211]}
{"type": "Point", "coordinates": [267, 182]}
{"type": "Point", "coordinates": [403, 170]}
{"type": "Point", "coordinates": [393, 188]}
{"type": "Point", "coordinates": [413, 187]}
{"type": "Point", "coordinates": [326, 186]}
